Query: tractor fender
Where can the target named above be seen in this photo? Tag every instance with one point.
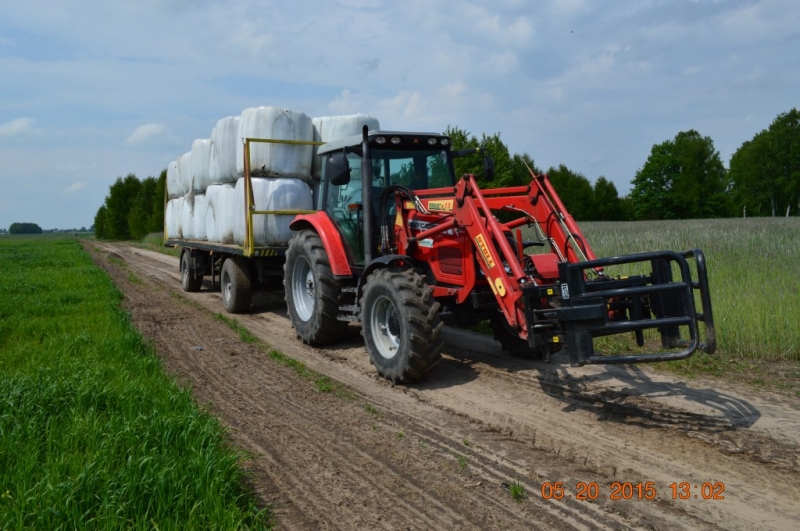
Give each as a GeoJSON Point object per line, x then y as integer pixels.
{"type": "Point", "coordinates": [380, 263]}
{"type": "Point", "coordinates": [322, 224]}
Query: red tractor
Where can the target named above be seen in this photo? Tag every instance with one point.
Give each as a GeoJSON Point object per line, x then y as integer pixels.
{"type": "Point", "coordinates": [402, 246]}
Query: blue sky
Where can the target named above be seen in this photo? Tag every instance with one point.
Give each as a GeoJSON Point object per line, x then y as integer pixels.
{"type": "Point", "coordinates": [90, 91]}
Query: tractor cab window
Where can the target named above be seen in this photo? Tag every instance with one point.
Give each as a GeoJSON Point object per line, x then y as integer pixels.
{"type": "Point", "coordinates": [419, 170]}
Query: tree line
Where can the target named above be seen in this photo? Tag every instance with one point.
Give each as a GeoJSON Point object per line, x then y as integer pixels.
{"type": "Point", "coordinates": [132, 209]}
{"type": "Point", "coordinates": [682, 178]}
{"type": "Point", "coordinates": [24, 228]}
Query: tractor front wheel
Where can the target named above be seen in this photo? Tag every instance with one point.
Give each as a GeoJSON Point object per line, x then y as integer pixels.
{"type": "Point", "coordinates": [401, 325]}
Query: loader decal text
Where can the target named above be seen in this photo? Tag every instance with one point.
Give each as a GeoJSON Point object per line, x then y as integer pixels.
{"type": "Point", "coordinates": [484, 249]}
{"type": "Point", "coordinates": [441, 206]}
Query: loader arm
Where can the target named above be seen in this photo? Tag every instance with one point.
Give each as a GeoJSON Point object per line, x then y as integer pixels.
{"type": "Point", "coordinates": [568, 300]}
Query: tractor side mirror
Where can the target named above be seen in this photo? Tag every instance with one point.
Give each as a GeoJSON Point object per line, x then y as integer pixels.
{"type": "Point", "coordinates": [337, 169]}
{"type": "Point", "coordinates": [488, 168]}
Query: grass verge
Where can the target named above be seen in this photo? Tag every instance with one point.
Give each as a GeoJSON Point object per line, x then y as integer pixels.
{"type": "Point", "coordinates": [94, 434]}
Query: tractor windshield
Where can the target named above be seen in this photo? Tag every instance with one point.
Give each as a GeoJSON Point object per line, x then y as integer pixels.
{"type": "Point", "coordinates": [419, 170]}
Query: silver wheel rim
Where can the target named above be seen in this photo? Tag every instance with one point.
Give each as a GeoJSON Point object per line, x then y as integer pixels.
{"type": "Point", "coordinates": [385, 325]}
{"type": "Point", "coordinates": [227, 288]}
{"type": "Point", "coordinates": [304, 289]}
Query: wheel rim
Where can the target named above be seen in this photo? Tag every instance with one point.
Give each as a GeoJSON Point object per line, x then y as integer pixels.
{"type": "Point", "coordinates": [227, 288]}
{"type": "Point", "coordinates": [304, 289]}
{"type": "Point", "coordinates": [385, 325]}
{"type": "Point", "coordinates": [185, 269]}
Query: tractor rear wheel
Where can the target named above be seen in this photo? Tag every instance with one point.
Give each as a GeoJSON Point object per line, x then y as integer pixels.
{"type": "Point", "coordinates": [190, 281]}
{"type": "Point", "coordinates": [516, 346]}
{"type": "Point", "coordinates": [237, 292]}
{"type": "Point", "coordinates": [401, 325]}
{"type": "Point", "coordinates": [312, 292]}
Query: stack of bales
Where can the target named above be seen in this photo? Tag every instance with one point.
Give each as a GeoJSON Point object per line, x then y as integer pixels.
{"type": "Point", "coordinates": [206, 185]}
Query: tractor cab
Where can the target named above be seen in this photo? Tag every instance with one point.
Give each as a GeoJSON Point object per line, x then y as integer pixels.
{"type": "Point", "coordinates": [364, 166]}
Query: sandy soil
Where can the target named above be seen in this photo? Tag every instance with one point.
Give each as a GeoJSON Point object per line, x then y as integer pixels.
{"type": "Point", "coordinates": [442, 454]}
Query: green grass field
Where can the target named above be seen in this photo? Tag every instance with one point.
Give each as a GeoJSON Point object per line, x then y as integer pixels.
{"type": "Point", "coordinates": [753, 275]}
{"type": "Point", "coordinates": [93, 434]}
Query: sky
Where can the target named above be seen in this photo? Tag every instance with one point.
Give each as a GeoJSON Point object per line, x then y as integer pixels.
{"type": "Point", "coordinates": [92, 91]}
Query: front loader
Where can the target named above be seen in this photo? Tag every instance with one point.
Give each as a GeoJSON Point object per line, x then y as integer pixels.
{"type": "Point", "coordinates": [400, 245]}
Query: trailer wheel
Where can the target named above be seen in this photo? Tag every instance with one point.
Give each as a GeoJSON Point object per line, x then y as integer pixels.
{"type": "Point", "coordinates": [236, 287]}
{"type": "Point", "coordinates": [190, 281]}
{"type": "Point", "coordinates": [514, 345]}
{"type": "Point", "coordinates": [312, 292]}
{"type": "Point", "coordinates": [401, 325]}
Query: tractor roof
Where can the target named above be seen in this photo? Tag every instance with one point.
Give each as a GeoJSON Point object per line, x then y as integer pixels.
{"type": "Point", "coordinates": [355, 140]}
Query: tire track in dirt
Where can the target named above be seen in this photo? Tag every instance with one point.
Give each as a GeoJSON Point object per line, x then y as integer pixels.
{"type": "Point", "coordinates": [350, 470]}
{"type": "Point", "coordinates": [531, 421]}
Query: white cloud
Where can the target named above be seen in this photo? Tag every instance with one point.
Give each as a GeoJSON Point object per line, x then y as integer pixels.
{"type": "Point", "coordinates": [15, 128]}
{"type": "Point", "coordinates": [408, 106]}
{"type": "Point", "coordinates": [74, 187]}
{"type": "Point", "coordinates": [144, 133]}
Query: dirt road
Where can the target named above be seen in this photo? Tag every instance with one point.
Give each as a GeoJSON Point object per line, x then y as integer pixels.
{"type": "Point", "coordinates": [443, 454]}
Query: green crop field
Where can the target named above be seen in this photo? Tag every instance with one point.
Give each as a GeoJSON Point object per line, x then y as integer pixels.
{"type": "Point", "coordinates": [93, 434]}
{"type": "Point", "coordinates": [753, 274]}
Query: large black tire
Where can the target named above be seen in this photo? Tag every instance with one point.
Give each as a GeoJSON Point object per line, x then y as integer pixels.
{"type": "Point", "coordinates": [514, 345]}
{"type": "Point", "coordinates": [312, 292]}
{"type": "Point", "coordinates": [237, 291]}
{"type": "Point", "coordinates": [401, 325]}
{"type": "Point", "coordinates": [190, 281]}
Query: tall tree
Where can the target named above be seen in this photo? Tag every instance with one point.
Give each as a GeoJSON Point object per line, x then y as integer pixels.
{"type": "Point", "coordinates": [156, 222]}
{"type": "Point", "coordinates": [509, 170]}
{"type": "Point", "coordinates": [607, 204]}
{"type": "Point", "coordinates": [575, 192]}
{"type": "Point", "coordinates": [100, 223]}
{"type": "Point", "coordinates": [142, 209]}
{"type": "Point", "coordinates": [119, 202]}
{"type": "Point", "coordinates": [765, 171]}
{"type": "Point", "coordinates": [682, 178]}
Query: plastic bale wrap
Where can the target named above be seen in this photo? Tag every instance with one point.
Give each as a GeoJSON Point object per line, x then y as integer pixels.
{"type": "Point", "coordinates": [185, 172]}
{"type": "Point", "coordinates": [224, 142]}
{"type": "Point", "coordinates": [199, 216]}
{"type": "Point", "coordinates": [187, 217]}
{"type": "Point", "coordinates": [200, 161]}
{"type": "Point", "coordinates": [271, 193]}
{"type": "Point", "coordinates": [281, 160]}
{"type": "Point", "coordinates": [174, 183]}
{"type": "Point", "coordinates": [173, 215]}
{"type": "Point", "coordinates": [222, 206]}
{"type": "Point", "coordinates": [212, 233]}
{"type": "Point", "coordinates": [328, 128]}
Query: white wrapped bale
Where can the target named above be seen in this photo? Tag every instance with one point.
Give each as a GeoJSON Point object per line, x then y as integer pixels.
{"type": "Point", "coordinates": [187, 217]}
{"type": "Point", "coordinates": [284, 160]}
{"type": "Point", "coordinates": [224, 142]}
{"type": "Point", "coordinates": [222, 209]}
{"type": "Point", "coordinates": [271, 194]}
{"type": "Point", "coordinates": [212, 234]}
{"type": "Point", "coordinates": [174, 184]}
{"type": "Point", "coordinates": [185, 172]}
{"type": "Point", "coordinates": [199, 216]}
{"type": "Point", "coordinates": [328, 128]}
{"type": "Point", "coordinates": [200, 160]}
{"type": "Point", "coordinates": [173, 215]}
